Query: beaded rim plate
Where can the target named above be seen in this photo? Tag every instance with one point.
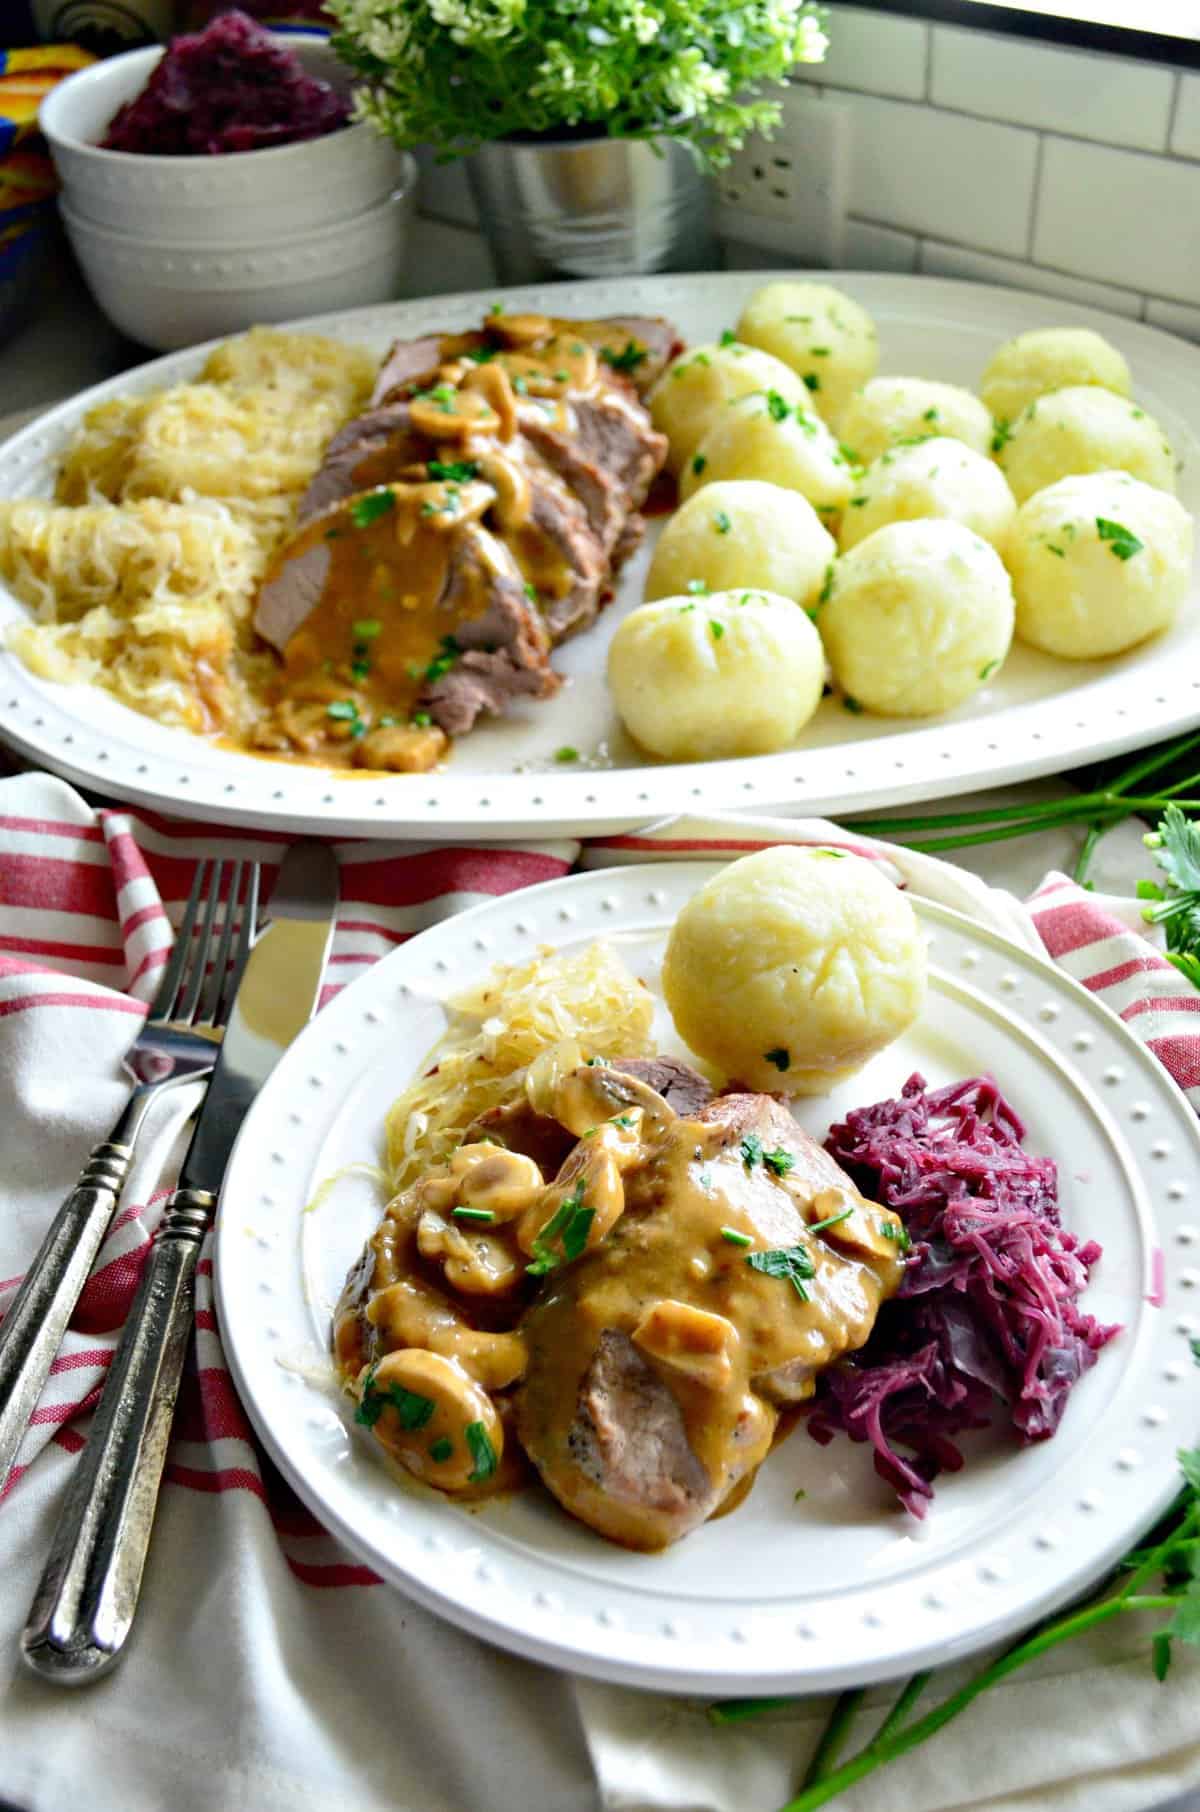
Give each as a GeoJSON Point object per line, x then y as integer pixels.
{"type": "Point", "coordinates": [788, 1593]}
{"type": "Point", "coordinates": [1037, 716]}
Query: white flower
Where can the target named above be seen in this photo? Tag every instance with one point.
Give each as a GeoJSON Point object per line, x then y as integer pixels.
{"type": "Point", "coordinates": [813, 41]}
{"type": "Point", "coordinates": [644, 25]}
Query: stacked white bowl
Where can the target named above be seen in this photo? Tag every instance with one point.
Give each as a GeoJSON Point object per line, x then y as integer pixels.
{"type": "Point", "coordinates": [181, 249]}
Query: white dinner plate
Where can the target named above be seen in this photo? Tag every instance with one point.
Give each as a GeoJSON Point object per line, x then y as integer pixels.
{"type": "Point", "coordinates": [1037, 716]}
{"type": "Point", "coordinates": [781, 1595]}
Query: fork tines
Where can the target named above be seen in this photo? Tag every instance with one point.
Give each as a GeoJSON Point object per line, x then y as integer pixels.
{"type": "Point", "coordinates": [199, 979]}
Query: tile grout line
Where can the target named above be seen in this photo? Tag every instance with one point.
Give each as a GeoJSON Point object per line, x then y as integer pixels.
{"type": "Point", "coordinates": [924, 238]}
{"type": "Point", "coordinates": [1173, 112]}
{"type": "Point", "coordinates": [990, 119]}
{"type": "Point", "coordinates": [1035, 199]}
{"type": "Point", "coordinates": [929, 65]}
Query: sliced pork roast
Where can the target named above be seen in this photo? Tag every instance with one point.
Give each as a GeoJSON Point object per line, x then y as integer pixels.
{"type": "Point", "coordinates": [526, 452]}
{"type": "Point", "coordinates": [658, 1359]}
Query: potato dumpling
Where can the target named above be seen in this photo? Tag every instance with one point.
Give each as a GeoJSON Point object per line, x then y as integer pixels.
{"type": "Point", "coordinates": [692, 391]}
{"type": "Point", "coordinates": [1050, 358]}
{"type": "Point", "coordinates": [762, 436]}
{"type": "Point", "coordinates": [937, 477]}
{"type": "Point", "coordinates": [823, 335]}
{"type": "Point", "coordinates": [918, 617]}
{"type": "Point", "coordinates": [1082, 430]}
{"type": "Point", "coordinates": [743, 533]}
{"type": "Point", "coordinates": [1098, 562]}
{"type": "Point", "coordinates": [702, 678]}
{"type": "Point", "coordinates": [792, 967]}
{"type": "Point", "coordinates": [892, 409]}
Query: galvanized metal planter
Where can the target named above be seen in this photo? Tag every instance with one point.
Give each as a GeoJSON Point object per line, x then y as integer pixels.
{"type": "Point", "coordinates": [596, 207]}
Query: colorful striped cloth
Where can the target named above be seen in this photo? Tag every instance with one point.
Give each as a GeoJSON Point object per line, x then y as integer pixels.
{"type": "Point", "coordinates": [265, 1670]}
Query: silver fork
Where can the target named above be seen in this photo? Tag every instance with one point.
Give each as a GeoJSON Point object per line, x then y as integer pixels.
{"type": "Point", "coordinates": [177, 1043]}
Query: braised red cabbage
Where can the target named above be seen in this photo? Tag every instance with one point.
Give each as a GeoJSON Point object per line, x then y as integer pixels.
{"type": "Point", "coordinates": [228, 88]}
{"type": "Point", "coordinates": [986, 1328]}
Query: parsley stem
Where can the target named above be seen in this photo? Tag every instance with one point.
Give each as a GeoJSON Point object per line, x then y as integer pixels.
{"type": "Point", "coordinates": [833, 1737]}
{"type": "Point", "coordinates": [1083, 860]}
{"type": "Point", "coordinates": [740, 1711]}
{"type": "Point", "coordinates": [895, 1718]}
{"type": "Point", "coordinates": [898, 1742]}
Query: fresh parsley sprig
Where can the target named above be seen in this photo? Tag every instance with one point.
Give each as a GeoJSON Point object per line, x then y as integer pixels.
{"type": "Point", "coordinates": [1176, 906]}
{"type": "Point", "coordinates": [1161, 1576]}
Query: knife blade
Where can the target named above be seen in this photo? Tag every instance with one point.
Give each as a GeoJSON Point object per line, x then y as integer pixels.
{"type": "Point", "coordinates": [87, 1597]}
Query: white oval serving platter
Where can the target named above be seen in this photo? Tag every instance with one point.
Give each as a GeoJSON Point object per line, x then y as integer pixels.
{"type": "Point", "coordinates": [783, 1595]}
{"type": "Point", "coordinates": [1038, 716]}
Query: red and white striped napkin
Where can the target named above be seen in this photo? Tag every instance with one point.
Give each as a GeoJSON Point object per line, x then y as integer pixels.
{"type": "Point", "coordinates": [269, 1667]}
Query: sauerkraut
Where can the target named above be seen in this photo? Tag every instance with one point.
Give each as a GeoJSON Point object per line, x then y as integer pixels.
{"type": "Point", "coordinates": [142, 574]}
{"type": "Point", "coordinates": [145, 599]}
{"type": "Point", "coordinates": [511, 1036]}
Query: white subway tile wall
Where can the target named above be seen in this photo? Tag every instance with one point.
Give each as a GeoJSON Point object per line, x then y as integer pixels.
{"type": "Point", "coordinates": [867, 247]}
{"type": "Point", "coordinates": [940, 259]}
{"type": "Point", "coordinates": [1004, 160]}
{"type": "Point", "coordinates": [941, 173]}
{"type": "Point", "coordinates": [1112, 99]}
{"type": "Point", "coordinates": [1091, 192]}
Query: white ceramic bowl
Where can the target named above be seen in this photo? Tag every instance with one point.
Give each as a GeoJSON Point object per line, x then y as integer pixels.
{"type": "Point", "coordinates": [246, 195]}
{"type": "Point", "coordinates": [167, 294]}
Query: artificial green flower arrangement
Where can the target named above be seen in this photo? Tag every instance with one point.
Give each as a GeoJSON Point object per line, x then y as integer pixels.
{"type": "Point", "coordinates": [456, 73]}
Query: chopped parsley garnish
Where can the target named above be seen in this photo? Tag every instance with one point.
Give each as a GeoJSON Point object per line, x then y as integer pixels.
{"type": "Point", "coordinates": [852, 705]}
{"type": "Point", "coordinates": [987, 670]}
{"type": "Point", "coordinates": [441, 1450]}
{"type": "Point", "coordinates": [443, 661]}
{"type": "Point", "coordinates": [621, 1120]}
{"type": "Point", "coordinates": [369, 508]}
{"type": "Point", "coordinates": [728, 338]}
{"type": "Point", "coordinates": [629, 360]}
{"type": "Point", "coordinates": [793, 1263]}
{"type": "Point", "coordinates": [930, 415]}
{"type": "Point", "coordinates": [1121, 541]}
{"type": "Point", "coordinates": [832, 1220]}
{"type": "Point", "coordinates": [1194, 1349]}
{"type": "Point", "coordinates": [570, 1224]}
{"type": "Point", "coordinates": [735, 1238]}
{"type": "Point", "coordinates": [481, 355]}
{"type": "Point", "coordinates": [1060, 552]}
{"type": "Point", "coordinates": [497, 308]}
{"type": "Point", "coordinates": [716, 629]}
{"type": "Point", "coordinates": [566, 753]}
{"type": "Point", "coordinates": [684, 608]}
{"type": "Point", "coordinates": [360, 670]}
{"type": "Point", "coordinates": [698, 464]}
{"type": "Point", "coordinates": [826, 591]}
{"type": "Point", "coordinates": [721, 522]}
{"type": "Point", "coordinates": [705, 1179]}
{"type": "Point", "coordinates": [856, 503]}
{"type": "Point", "coordinates": [342, 710]}
{"type": "Point", "coordinates": [482, 1452]}
{"type": "Point", "coordinates": [413, 1410]}
{"type": "Point", "coordinates": [752, 1151]}
{"type": "Point", "coordinates": [531, 591]}
{"type": "Point", "coordinates": [1002, 436]}
{"type": "Point", "coordinates": [781, 1058]}
{"type": "Point", "coordinates": [484, 1216]}
{"type": "Point", "coordinates": [698, 588]}
{"type": "Point", "coordinates": [812, 381]}
{"type": "Point", "coordinates": [818, 352]}
{"type": "Point", "coordinates": [897, 1233]}
{"type": "Point", "coordinates": [779, 1162]}
{"type": "Point", "coordinates": [453, 471]}
{"type": "Point", "coordinates": [420, 720]}
{"type": "Point", "coordinates": [366, 629]}
{"type": "Point", "coordinates": [777, 406]}
{"type": "Point", "coordinates": [521, 385]}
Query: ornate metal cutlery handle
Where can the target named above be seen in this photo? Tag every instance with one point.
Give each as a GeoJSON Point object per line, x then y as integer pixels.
{"type": "Point", "coordinates": [32, 1331]}
{"type": "Point", "coordinates": [86, 1600]}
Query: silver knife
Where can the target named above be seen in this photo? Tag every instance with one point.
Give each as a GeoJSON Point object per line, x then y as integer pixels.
{"type": "Point", "coordinates": [85, 1603]}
